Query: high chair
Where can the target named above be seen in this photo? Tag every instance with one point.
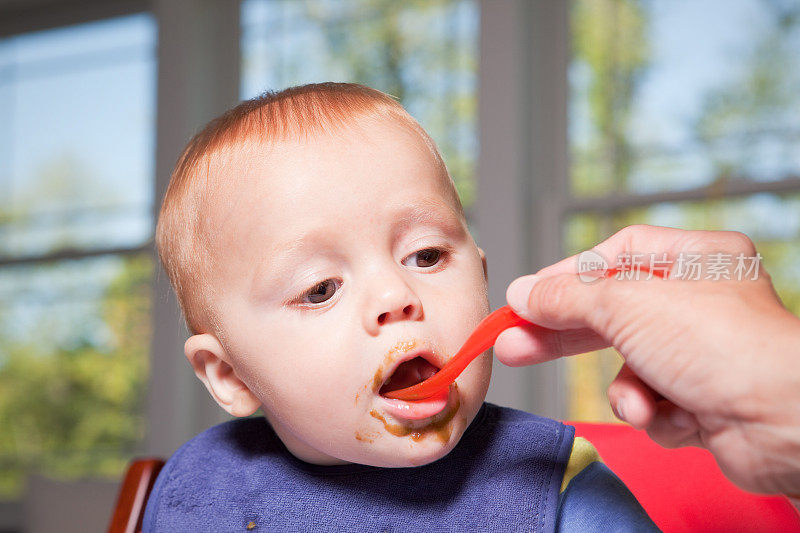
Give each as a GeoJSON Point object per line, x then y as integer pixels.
{"type": "Point", "coordinates": [133, 493]}
{"type": "Point", "coordinates": [683, 489]}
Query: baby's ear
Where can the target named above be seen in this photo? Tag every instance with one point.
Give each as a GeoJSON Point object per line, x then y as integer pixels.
{"type": "Point", "coordinates": [483, 260]}
{"type": "Point", "coordinates": [210, 363]}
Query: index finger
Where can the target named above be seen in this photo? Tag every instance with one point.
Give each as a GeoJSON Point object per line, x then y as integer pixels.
{"type": "Point", "coordinates": [531, 344]}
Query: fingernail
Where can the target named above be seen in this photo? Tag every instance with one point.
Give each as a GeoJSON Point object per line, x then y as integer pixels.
{"type": "Point", "coordinates": [518, 292]}
{"type": "Point", "coordinates": [621, 410]}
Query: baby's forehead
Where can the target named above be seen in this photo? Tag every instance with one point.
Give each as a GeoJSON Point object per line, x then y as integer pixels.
{"type": "Point", "coordinates": [256, 170]}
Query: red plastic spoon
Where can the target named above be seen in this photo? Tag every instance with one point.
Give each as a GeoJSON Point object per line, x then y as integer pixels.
{"type": "Point", "coordinates": [482, 339]}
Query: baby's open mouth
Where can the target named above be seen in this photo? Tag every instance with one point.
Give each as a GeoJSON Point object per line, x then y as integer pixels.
{"type": "Point", "coordinates": [409, 373]}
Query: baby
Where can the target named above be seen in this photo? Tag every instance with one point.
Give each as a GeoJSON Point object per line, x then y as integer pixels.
{"type": "Point", "coordinates": [321, 258]}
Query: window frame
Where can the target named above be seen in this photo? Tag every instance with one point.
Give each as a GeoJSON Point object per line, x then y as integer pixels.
{"type": "Point", "coordinates": [18, 19]}
{"type": "Point", "coordinates": [609, 204]}
{"type": "Point", "coordinates": [524, 196]}
{"type": "Point", "coordinates": [522, 203]}
{"type": "Point", "coordinates": [197, 78]}
{"type": "Point", "coordinates": [523, 178]}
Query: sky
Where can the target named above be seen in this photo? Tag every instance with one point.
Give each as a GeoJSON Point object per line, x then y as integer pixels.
{"type": "Point", "coordinates": [84, 93]}
{"type": "Point", "coordinates": [696, 46]}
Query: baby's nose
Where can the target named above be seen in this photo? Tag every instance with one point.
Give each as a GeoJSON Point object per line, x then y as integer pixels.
{"type": "Point", "coordinates": [392, 302]}
{"type": "Point", "coordinates": [407, 312]}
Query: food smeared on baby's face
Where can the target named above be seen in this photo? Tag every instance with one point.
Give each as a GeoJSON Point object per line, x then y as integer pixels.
{"type": "Point", "coordinates": [391, 355]}
{"type": "Point", "coordinates": [409, 420]}
{"type": "Point", "coordinates": [364, 438]}
{"type": "Point", "coordinates": [441, 428]}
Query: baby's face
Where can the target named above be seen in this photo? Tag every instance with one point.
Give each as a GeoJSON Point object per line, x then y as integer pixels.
{"type": "Point", "coordinates": [347, 270]}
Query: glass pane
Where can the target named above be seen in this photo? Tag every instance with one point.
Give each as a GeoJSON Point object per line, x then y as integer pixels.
{"type": "Point", "coordinates": [424, 53]}
{"type": "Point", "coordinates": [773, 222]}
{"type": "Point", "coordinates": [672, 95]}
{"type": "Point", "coordinates": [76, 158]}
{"type": "Point", "coordinates": [74, 345]}
{"type": "Point", "coordinates": [76, 138]}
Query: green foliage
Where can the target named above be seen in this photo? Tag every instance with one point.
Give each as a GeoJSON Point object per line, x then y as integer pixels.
{"type": "Point", "coordinates": [410, 58]}
{"type": "Point", "coordinates": [610, 42]}
{"type": "Point", "coordinates": [78, 411]}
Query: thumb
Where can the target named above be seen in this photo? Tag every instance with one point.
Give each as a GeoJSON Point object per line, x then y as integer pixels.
{"type": "Point", "coordinates": [557, 302]}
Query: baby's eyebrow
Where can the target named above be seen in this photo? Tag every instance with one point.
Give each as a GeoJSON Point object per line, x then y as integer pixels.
{"type": "Point", "coordinates": [427, 212]}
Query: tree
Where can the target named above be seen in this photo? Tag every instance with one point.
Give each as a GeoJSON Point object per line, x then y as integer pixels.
{"type": "Point", "coordinates": [431, 72]}
{"type": "Point", "coordinates": [72, 405]}
{"type": "Point", "coordinates": [610, 44]}
{"type": "Point", "coordinates": [611, 51]}
{"type": "Point", "coordinates": [753, 118]}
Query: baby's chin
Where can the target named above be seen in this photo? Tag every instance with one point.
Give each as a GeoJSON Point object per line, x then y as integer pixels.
{"type": "Point", "coordinates": [391, 451]}
{"type": "Point", "coordinates": [379, 437]}
{"type": "Point", "coordinates": [399, 446]}
{"type": "Point", "coordinates": [393, 443]}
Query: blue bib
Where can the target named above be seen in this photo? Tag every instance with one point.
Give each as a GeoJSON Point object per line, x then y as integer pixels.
{"type": "Point", "coordinates": [504, 475]}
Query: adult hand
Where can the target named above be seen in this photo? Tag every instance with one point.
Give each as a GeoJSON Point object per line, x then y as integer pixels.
{"type": "Point", "coordinates": [711, 363]}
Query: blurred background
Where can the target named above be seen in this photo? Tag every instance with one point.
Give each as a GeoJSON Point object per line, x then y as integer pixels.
{"type": "Point", "coordinates": [561, 122]}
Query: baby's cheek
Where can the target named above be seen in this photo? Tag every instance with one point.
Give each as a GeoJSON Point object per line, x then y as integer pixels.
{"type": "Point", "coordinates": [326, 387]}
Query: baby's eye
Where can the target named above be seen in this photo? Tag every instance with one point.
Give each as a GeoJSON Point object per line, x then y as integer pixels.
{"type": "Point", "coordinates": [320, 292]}
{"type": "Point", "coordinates": [424, 258]}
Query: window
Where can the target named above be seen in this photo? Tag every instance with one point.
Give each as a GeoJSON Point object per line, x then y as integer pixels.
{"type": "Point", "coordinates": [76, 160]}
{"type": "Point", "coordinates": [424, 53]}
{"type": "Point", "coordinates": [683, 114]}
